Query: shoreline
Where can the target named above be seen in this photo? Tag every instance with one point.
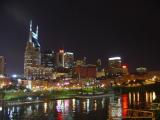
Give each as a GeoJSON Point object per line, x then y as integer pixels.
{"type": "Point", "coordinates": [12, 103]}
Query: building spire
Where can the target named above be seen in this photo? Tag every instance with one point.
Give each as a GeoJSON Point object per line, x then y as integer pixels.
{"type": "Point", "coordinates": [30, 32]}
{"type": "Point", "coordinates": [31, 25]}
{"type": "Point", "coordinates": [37, 32]}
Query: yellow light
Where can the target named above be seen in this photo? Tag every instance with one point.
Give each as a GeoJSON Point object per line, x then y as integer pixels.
{"type": "Point", "coordinates": [154, 95]}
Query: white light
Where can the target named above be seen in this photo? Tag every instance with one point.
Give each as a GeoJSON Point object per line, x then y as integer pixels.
{"type": "Point", "coordinates": [1, 76]}
{"type": "Point", "coordinates": [14, 76]}
{"type": "Point", "coordinates": [154, 95]}
{"type": "Point", "coordinates": [69, 53]}
{"type": "Point", "coordinates": [34, 35]}
{"type": "Point", "coordinates": [0, 108]}
{"type": "Point", "coordinates": [114, 58]}
{"type": "Point", "coordinates": [29, 98]}
{"type": "Point", "coordinates": [102, 85]}
{"type": "Point", "coordinates": [45, 107]}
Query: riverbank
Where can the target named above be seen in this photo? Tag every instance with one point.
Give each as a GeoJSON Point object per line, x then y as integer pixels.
{"type": "Point", "coordinates": [19, 97]}
{"type": "Point", "coordinates": [142, 88]}
{"type": "Point", "coordinates": [92, 96]}
{"type": "Point", "coordinates": [14, 103]}
{"type": "Point", "coordinates": [17, 103]}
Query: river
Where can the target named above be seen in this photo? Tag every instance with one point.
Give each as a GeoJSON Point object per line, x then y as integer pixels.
{"type": "Point", "coordinates": [76, 109]}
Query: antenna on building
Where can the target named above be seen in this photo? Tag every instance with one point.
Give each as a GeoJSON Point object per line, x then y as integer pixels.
{"type": "Point", "coordinates": [31, 25]}
{"type": "Point", "coordinates": [30, 32]}
{"type": "Point", "coordinates": [37, 32]}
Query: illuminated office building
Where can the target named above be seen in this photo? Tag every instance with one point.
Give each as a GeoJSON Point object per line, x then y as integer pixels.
{"type": "Point", "coordinates": [68, 59]}
{"type": "Point", "coordinates": [48, 58]}
{"type": "Point", "coordinates": [64, 59]}
{"type": "Point", "coordinates": [38, 73]}
{"type": "Point", "coordinates": [32, 55]}
{"type": "Point", "coordinates": [114, 66]}
{"type": "Point", "coordinates": [114, 62]}
{"type": "Point", "coordinates": [60, 58]}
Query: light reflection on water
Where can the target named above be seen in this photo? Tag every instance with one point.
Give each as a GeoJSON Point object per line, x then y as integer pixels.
{"type": "Point", "coordinates": [88, 105]}
{"type": "Point", "coordinates": [136, 98]}
{"type": "Point", "coordinates": [70, 109]}
{"type": "Point", "coordinates": [45, 107]}
{"type": "Point", "coordinates": [73, 105]}
{"type": "Point", "coordinates": [154, 95]}
{"type": "Point", "coordinates": [95, 105]}
{"type": "Point", "coordinates": [67, 109]}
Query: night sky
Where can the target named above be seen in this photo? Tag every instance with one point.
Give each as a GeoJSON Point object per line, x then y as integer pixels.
{"type": "Point", "coordinates": [95, 29]}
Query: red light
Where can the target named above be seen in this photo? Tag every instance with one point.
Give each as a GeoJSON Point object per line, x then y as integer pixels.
{"type": "Point", "coordinates": [124, 104]}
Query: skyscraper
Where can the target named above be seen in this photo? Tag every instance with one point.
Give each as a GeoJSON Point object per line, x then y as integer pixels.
{"type": "Point", "coordinates": [114, 66]}
{"type": "Point", "coordinates": [60, 58]}
{"type": "Point", "coordinates": [2, 65]}
{"type": "Point", "coordinates": [32, 55]}
{"type": "Point", "coordinates": [114, 62]}
{"type": "Point", "coordinates": [68, 59]}
{"type": "Point", "coordinates": [48, 58]}
{"type": "Point", "coordinates": [65, 59]}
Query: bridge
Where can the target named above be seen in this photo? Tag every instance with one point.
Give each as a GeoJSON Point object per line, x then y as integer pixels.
{"type": "Point", "coordinates": [131, 114]}
{"type": "Point", "coordinates": [138, 114]}
{"type": "Point", "coordinates": [116, 112]}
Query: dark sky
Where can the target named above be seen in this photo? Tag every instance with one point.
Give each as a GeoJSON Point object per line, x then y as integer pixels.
{"type": "Point", "coordinates": [96, 29]}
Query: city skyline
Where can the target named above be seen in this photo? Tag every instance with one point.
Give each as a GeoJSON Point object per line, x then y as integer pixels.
{"type": "Point", "coordinates": [129, 30]}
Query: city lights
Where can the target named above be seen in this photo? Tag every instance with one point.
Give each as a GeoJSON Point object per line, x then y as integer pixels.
{"type": "Point", "coordinates": [124, 66]}
{"type": "Point", "coordinates": [14, 75]}
{"type": "Point", "coordinates": [114, 58]}
{"type": "Point", "coordinates": [79, 60]}
{"type": "Point", "coordinates": [2, 76]}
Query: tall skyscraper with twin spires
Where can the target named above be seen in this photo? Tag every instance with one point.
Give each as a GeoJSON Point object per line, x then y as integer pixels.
{"type": "Point", "coordinates": [32, 56]}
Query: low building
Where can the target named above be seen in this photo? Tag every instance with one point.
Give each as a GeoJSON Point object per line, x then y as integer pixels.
{"type": "Point", "coordinates": [85, 71]}
{"type": "Point", "coordinates": [141, 70]}
{"type": "Point", "coordinates": [4, 82]}
{"type": "Point", "coordinates": [100, 74]}
{"type": "Point", "coordinates": [38, 72]}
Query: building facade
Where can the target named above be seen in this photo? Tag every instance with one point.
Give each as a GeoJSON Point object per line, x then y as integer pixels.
{"type": "Point", "coordinates": [64, 59]}
{"type": "Point", "coordinates": [114, 66]}
{"type": "Point", "coordinates": [68, 59]}
{"type": "Point", "coordinates": [85, 71]}
{"type": "Point", "coordinates": [38, 73]}
{"type": "Point", "coordinates": [60, 59]}
{"type": "Point", "coordinates": [48, 58]}
{"type": "Point", "coordinates": [2, 65]}
{"type": "Point", "coordinates": [32, 56]}
{"type": "Point", "coordinates": [114, 62]}
{"type": "Point", "coordinates": [99, 64]}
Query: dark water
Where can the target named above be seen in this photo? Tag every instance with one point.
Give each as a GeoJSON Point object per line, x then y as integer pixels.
{"type": "Point", "coordinates": [76, 109]}
{"type": "Point", "coordinates": [68, 109]}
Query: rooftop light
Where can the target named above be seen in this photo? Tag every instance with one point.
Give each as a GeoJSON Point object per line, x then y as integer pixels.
{"type": "Point", "coordinates": [115, 58]}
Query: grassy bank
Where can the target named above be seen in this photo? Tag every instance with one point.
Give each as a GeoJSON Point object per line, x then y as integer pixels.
{"type": "Point", "coordinates": [14, 95]}
{"type": "Point", "coordinates": [54, 94]}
